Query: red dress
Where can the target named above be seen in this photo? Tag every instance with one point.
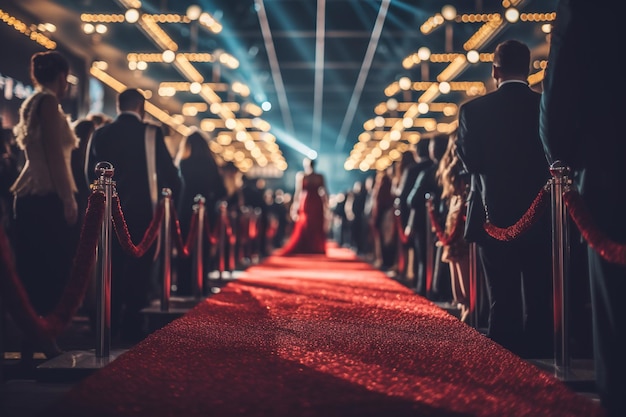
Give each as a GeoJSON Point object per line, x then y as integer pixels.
{"type": "Point", "coordinates": [309, 234]}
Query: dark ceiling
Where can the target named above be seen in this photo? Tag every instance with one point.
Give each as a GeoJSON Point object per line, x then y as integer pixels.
{"type": "Point", "coordinates": [357, 67]}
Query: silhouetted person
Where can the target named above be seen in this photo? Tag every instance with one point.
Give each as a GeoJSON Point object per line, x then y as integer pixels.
{"type": "Point", "coordinates": [586, 138]}
{"type": "Point", "coordinates": [46, 211]}
{"type": "Point", "coordinates": [201, 176]}
{"type": "Point", "coordinates": [310, 204]}
{"type": "Point", "coordinates": [123, 143]}
{"type": "Point", "coordinates": [415, 225]}
{"type": "Point", "coordinates": [498, 142]}
{"type": "Point", "coordinates": [384, 230]}
{"type": "Point", "coordinates": [83, 128]}
{"type": "Point", "coordinates": [425, 184]}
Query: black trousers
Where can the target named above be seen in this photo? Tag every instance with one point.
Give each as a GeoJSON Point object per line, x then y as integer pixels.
{"type": "Point", "coordinates": [518, 277]}
{"type": "Point", "coordinates": [44, 246]}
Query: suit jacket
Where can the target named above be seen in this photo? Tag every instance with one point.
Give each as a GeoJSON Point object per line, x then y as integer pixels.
{"type": "Point", "coordinates": [410, 197]}
{"type": "Point", "coordinates": [122, 143]}
{"type": "Point", "coordinates": [498, 139]}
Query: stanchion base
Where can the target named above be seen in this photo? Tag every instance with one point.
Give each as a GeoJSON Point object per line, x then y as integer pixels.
{"type": "Point", "coordinates": [580, 375]}
{"type": "Point", "coordinates": [156, 317]}
{"type": "Point", "coordinates": [74, 365]}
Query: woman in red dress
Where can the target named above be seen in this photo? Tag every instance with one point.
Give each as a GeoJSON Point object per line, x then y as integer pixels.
{"type": "Point", "coordinates": [309, 208]}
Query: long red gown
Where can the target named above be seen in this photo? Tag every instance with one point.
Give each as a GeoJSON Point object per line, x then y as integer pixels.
{"type": "Point", "coordinates": [309, 234]}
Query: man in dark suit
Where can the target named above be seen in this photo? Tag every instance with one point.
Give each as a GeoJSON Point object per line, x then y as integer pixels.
{"type": "Point", "coordinates": [580, 125]}
{"type": "Point", "coordinates": [415, 205]}
{"type": "Point", "coordinates": [498, 141]}
{"type": "Point", "coordinates": [123, 143]}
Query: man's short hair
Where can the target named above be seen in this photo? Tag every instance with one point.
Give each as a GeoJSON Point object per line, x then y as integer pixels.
{"type": "Point", "coordinates": [512, 57]}
{"type": "Point", "coordinates": [421, 148]}
{"type": "Point", "coordinates": [130, 99]}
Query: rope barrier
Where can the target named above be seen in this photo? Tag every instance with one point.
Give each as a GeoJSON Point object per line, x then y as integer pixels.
{"type": "Point", "coordinates": [457, 231]}
{"type": "Point", "coordinates": [510, 233]}
{"type": "Point", "coordinates": [184, 250]}
{"type": "Point", "coordinates": [15, 297]}
{"type": "Point", "coordinates": [46, 328]}
{"type": "Point", "coordinates": [608, 249]}
{"type": "Point", "coordinates": [121, 229]}
{"type": "Point", "coordinates": [404, 238]}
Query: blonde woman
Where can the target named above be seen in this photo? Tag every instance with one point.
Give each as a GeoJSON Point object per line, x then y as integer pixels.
{"type": "Point", "coordinates": [455, 253]}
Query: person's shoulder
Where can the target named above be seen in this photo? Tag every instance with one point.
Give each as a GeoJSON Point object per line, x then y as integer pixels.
{"type": "Point", "coordinates": [151, 124]}
{"type": "Point", "coordinates": [104, 129]}
{"type": "Point", "coordinates": [47, 102]}
{"type": "Point", "coordinates": [478, 101]}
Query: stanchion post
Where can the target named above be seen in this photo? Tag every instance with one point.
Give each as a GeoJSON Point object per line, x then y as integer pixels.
{"type": "Point", "coordinates": [198, 254]}
{"type": "Point", "coordinates": [560, 261]}
{"type": "Point", "coordinates": [222, 239]}
{"type": "Point", "coordinates": [473, 284]}
{"type": "Point", "coordinates": [105, 184]}
{"type": "Point", "coordinates": [430, 247]}
{"type": "Point", "coordinates": [167, 250]}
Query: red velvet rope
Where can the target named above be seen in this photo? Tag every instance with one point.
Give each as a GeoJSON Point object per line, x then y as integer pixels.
{"type": "Point", "coordinates": [404, 238]}
{"type": "Point", "coordinates": [608, 249]}
{"type": "Point", "coordinates": [212, 235]}
{"type": "Point", "coordinates": [184, 250]}
{"type": "Point", "coordinates": [271, 230]}
{"type": "Point", "coordinates": [253, 228]}
{"type": "Point", "coordinates": [442, 237]}
{"type": "Point", "coordinates": [121, 229]}
{"type": "Point", "coordinates": [15, 297]}
{"type": "Point", "coordinates": [83, 267]}
{"type": "Point", "coordinates": [232, 238]}
{"type": "Point", "coordinates": [215, 237]}
{"type": "Point", "coordinates": [524, 223]}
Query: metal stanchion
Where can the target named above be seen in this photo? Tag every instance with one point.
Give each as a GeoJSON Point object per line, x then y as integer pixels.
{"type": "Point", "coordinates": [256, 239]}
{"type": "Point", "coordinates": [560, 262]}
{"type": "Point", "coordinates": [222, 239]}
{"type": "Point", "coordinates": [74, 365]}
{"type": "Point", "coordinates": [198, 254]}
{"type": "Point", "coordinates": [473, 285]}
{"type": "Point", "coordinates": [103, 284]}
{"type": "Point", "coordinates": [562, 364]}
{"type": "Point", "coordinates": [167, 250]}
{"type": "Point", "coordinates": [161, 313]}
{"type": "Point", "coordinates": [430, 249]}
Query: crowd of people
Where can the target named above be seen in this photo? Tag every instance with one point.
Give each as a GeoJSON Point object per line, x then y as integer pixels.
{"type": "Point", "coordinates": [500, 152]}
{"type": "Point", "coordinates": [49, 166]}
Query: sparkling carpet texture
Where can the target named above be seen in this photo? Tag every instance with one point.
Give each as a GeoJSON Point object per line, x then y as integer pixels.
{"type": "Point", "coordinates": [319, 336]}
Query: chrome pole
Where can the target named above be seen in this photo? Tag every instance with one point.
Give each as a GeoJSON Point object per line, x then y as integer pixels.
{"type": "Point", "coordinates": [473, 284]}
{"type": "Point", "coordinates": [167, 250]}
{"type": "Point", "coordinates": [222, 239]}
{"type": "Point", "coordinates": [105, 184]}
{"type": "Point", "coordinates": [198, 254]}
{"type": "Point", "coordinates": [560, 261]}
{"type": "Point", "coordinates": [430, 249]}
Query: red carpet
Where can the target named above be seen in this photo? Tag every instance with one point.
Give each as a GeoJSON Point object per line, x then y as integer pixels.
{"type": "Point", "coordinates": [319, 336]}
